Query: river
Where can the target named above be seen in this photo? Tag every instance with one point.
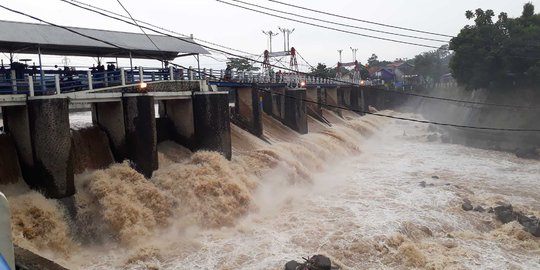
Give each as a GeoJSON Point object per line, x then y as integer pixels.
{"type": "Point", "coordinates": [370, 193]}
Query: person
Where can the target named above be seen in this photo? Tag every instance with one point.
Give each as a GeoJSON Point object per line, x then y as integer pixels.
{"type": "Point", "coordinates": [228, 73]}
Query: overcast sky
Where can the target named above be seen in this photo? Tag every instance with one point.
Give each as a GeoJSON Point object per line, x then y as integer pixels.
{"type": "Point", "coordinates": [237, 28]}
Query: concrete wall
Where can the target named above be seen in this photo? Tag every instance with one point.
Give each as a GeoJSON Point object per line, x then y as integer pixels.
{"type": "Point", "coordinates": [295, 115]}
{"type": "Point", "coordinates": [180, 121]}
{"type": "Point", "coordinates": [141, 137]}
{"type": "Point", "coordinates": [91, 149]}
{"type": "Point", "coordinates": [247, 110]}
{"type": "Point", "coordinates": [16, 124]}
{"type": "Point", "coordinates": [109, 116]}
{"type": "Point", "coordinates": [10, 171]}
{"type": "Point", "coordinates": [212, 122]}
{"type": "Point", "coordinates": [332, 99]}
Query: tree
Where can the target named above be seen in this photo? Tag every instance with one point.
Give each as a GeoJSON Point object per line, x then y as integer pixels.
{"type": "Point", "coordinates": [497, 55]}
{"type": "Point", "coordinates": [373, 61]}
{"type": "Point", "coordinates": [322, 71]}
{"type": "Point", "coordinates": [430, 66]}
{"type": "Point", "coordinates": [241, 64]}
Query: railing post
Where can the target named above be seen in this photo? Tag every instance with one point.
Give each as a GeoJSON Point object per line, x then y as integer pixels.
{"type": "Point", "coordinates": [14, 81]}
{"type": "Point", "coordinates": [122, 76]}
{"type": "Point", "coordinates": [154, 76]}
{"type": "Point", "coordinates": [89, 77]}
{"type": "Point", "coordinates": [141, 74]}
{"type": "Point", "coordinates": [203, 74]}
{"type": "Point", "coordinates": [211, 75]}
{"type": "Point", "coordinates": [221, 74]}
{"type": "Point", "coordinates": [106, 78]}
{"type": "Point", "coordinates": [190, 73]}
{"type": "Point", "coordinates": [6, 244]}
{"type": "Point", "coordinates": [57, 83]}
{"type": "Point", "coordinates": [171, 73]}
{"type": "Point", "coordinates": [31, 85]}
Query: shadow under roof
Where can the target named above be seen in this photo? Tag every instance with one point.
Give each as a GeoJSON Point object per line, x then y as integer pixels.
{"type": "Point", "coordinates": [20, 37]}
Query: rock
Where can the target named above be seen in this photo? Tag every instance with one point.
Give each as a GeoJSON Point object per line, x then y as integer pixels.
{"type": "Point", "coordinates": [527, 153]}
{"type": "Point", "coordinates": [423, 184]}
{"type": "Point", "coordinates": [479, 209]}
{"type": "Point", "coordinates": [531, 224]}
{"type": "Point", "coordinates": [291, 265]}
{"type": "Point", "coordinates": [467, 206]}
{"type": "Point", "coordinates": [435, 177]}
{"type": "Point", "coordinates": [490, 210]}
{"type": "Point", "coordinates": [320, 262]}
{"type": "Point", "coordinates": [505, 213]}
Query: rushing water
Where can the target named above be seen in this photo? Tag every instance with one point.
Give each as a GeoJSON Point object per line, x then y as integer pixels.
{"type": "Point", "coordinates": [351, 192]}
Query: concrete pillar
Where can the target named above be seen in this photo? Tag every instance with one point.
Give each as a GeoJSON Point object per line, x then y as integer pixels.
{"type": "Point", "coordinates": [6, 244]}
{"type": "Point", "coordinates": [141, 137]}
{"type": "Point", "coordinates": [51, 146]}
{"type": "Point", "coordinates": [295, 116]}
{"type": "Point", "coordinates": [10, 171]}
{"type": "Point", "coordinates": [247, 110]}
{"type": "Point", "coordinates": [109, 116]}
{"type": "Point", "coordinates": [278, 106]}
{"type": "Point", "coordinates": [212, 122]}
{"type": "Point", "coordinates": [177, 118]}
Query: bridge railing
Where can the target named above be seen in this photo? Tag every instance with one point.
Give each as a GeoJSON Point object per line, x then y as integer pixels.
{"type": "Point", "coordinates": [58, 81]}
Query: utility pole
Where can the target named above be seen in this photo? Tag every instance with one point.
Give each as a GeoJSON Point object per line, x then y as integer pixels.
{"type": "Point", "coordinates": [339, 51]}
{"type": "Point", "coordinates": [354, 53]}
{"type": "Point", "coordinates": [270, 34]}
{"type": "Point", "coordinates": [286, 38]}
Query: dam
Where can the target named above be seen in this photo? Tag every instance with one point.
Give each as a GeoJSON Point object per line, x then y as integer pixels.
{"type": "Point", "coordinates": [190, 172]}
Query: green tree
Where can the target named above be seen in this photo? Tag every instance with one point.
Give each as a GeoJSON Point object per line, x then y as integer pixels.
{"type": "Point", "coordinates": [322, 71]}
{"type": "Point", "coordinates": [430, 66]}
{"type": "Point", "coordinates": [241, 64]}
{"type": "Point", "coordinates": [497, 55]}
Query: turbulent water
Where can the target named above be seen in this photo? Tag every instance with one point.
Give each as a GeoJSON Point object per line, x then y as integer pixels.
{"type": "Point", "coordinates": [351, 191]}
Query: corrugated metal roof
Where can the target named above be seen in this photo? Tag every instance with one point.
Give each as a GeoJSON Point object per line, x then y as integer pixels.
{"type": "Point", "coordinates": [26, 37]}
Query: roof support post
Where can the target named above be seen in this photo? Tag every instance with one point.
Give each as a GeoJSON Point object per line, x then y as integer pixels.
{"type": "Point", "coordinates": [141, 74]}
{"type": "Point", "coordinates": [198, 65]}
{"type": "Point", "coordinates": [131, 65]}
{"type": "Point", "coordinates": [31, 85]}
{"type": "Point", "coordinates": [122, 76]}
{"type": "Point", "coordinates": [57, 83]}
{"type": "Point", "coordinates": [41, 72]}
{"type": "Point", "coordinates": [171, 73]}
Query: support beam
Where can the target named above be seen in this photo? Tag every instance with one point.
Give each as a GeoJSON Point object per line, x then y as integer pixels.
{"type": "Point", "coordinates": [141, 137]}
{"type": "Point", "coordinates": [212, 122]}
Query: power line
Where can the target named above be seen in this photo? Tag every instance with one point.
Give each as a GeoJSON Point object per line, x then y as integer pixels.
{"type": "Point", "coordinates": [306, 74]}
{"type": "Point", "coordinates": [305, 100]}
{"type": "Point", "coordinates": [72, 2]}
{"type": "Point", "coordinates": [328, 27]}
{"type": "Point", "coordinates": [360, 20]}
{"type": "Point", "coordinates": [119, 2]}
{"type": "Point", "coordinates": [340, 24]}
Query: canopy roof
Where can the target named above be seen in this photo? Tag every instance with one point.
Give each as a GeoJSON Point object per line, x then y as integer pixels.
{"type": "Point", "coordinates": [19, 37]}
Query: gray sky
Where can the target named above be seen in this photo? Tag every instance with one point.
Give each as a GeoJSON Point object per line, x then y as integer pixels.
{"type": "Point", "coordinates": [241, 29]}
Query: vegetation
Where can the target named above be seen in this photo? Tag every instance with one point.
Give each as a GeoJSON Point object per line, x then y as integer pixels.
{"type": "Point", "coordinates": [502, 54]}
{"type": "Point", "coordinates": [431, 66]}
{"type": "Point", "coordinates": [241, 64]}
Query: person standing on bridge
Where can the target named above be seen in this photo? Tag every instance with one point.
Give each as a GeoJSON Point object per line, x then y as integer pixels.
{"type": "Point", "coordinates": [228, 73]}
